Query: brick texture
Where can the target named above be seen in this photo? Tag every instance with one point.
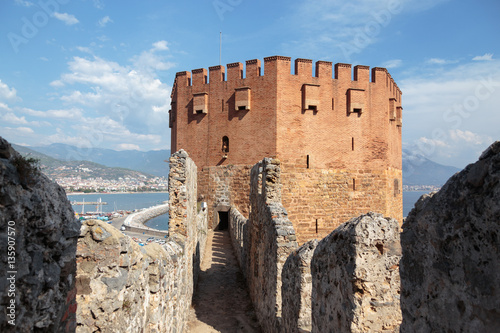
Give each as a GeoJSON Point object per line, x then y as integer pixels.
{"type": "Point", "coordinates": [332, 125]}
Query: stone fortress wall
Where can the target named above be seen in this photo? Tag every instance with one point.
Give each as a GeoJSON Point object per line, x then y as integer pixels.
{"type": "Point", "coordinates": [123, 287]}
{"type": "Point", "coordinates": [39, 225]}
{"type": "Point", "coordinates": [348, 281]}
{"type": "Point", "coordinates": [449, 267]}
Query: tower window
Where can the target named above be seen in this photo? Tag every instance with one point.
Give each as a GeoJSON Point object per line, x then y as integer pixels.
{"type": "Point", "coordinates": [310, 97]}
{"type": "Point", "coordinates": [242, 99]}
{"type": "Point", "coordinates": [225, 145]}
{"type": "Point", "coordinates": [200, 103]}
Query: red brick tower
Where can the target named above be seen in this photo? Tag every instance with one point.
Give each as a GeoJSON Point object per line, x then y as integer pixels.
{"type": "Point", "coordinates": [338, 137]}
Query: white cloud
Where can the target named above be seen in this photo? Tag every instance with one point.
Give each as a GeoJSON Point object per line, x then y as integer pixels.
{"type": "Point", "coordinates": [13, 119]}
{"type": "Point", "coordinates": [21, 130]}
{"type": "Point", "coordinates": [104, 21]}
{"type": "Point", "coordinates": [160, 45]}
{"type": "Point", "coordinates": [73, 113]}
{"type": "Point", "coordinates": [341, 29]}
{"type": "Point", "coordinates": [468, 137]}
{"type": "Point", "coordinates": [127, 146]}
{"type": "Point", "coordinates": [44, 59]}
{"type": "Point", "coordinates": [451, 115]}
{"type": "Point", "coordinates": [84, 49]}
{"type": "Point", "coordinates": [68, 19]}
{"type": "Point", "coordinates": [484, 57]}
{"type": "Point", "coordinates": [24, 3]}
{"type": "Point", "coordinates": [150, 60]}
{"type": "Point", "coordinates": [98, 4]}
{"type": "Point", "coordinates": [4, 107]}
{"type": "Point", "coordinates": [392, 63]}
{"type": "Point", "coordinates": [439, 61]}
{"type": "Point", "coordinates": [103, 38]}
{"type": "Point", "coordinates": [130, 100]}
{"type": "Point", "coordinates": [7, 93]}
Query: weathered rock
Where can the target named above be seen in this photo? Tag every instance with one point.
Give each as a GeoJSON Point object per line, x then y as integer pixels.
{"type": "Point", "coordinates": [297, 289]}
{"type": "Point", "coordinates": [123, 287]}
{"type": "Point", "coordinates": [355, 277]}
{"type": "Point", "coordinates": [450, 269]}
{"type": "Point", "coordinates": [36, 218]}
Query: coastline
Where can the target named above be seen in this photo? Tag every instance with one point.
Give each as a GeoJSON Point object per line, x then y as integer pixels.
{"type": "Point", "coordinates": [96, 193]}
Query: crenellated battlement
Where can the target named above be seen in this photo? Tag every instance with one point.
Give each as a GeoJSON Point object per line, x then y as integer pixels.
{"type": "Point", "coordinates": [280, 65]}
{"type": "Point", "coordinates": [288, 108]}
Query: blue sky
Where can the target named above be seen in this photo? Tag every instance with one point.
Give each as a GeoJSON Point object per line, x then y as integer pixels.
{"type": "Point", "coordinates": [98, 73]}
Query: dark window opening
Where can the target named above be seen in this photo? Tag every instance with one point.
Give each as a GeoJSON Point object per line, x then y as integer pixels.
{"type": "Point", "coordinates": [223, 221]}
{"type": "Point", "coordinates": [313, 107]}
{"type": "Point", "coordinates": [356, 110]}
{"type": "Point", "coordinates": [307, 161]}
{"type": "Point", "coordinates": [222, 105]}
{"type": "Point", "coordinates": [396, 187]}
{"type": "Point", "coordinates": [242, 108]}
{"type": "Point", "coordinates": [225, 144]}
{"type": "Point", "coordinates": [353, 144]}
{"type": "Point", "coordinates": [199, 111]}
{"type": "Point", "coordinates": [332, 104]}
{"type": "Point", "coordinates": [316, 225]}
{"type": "Point", "coordinates": [354, 184]}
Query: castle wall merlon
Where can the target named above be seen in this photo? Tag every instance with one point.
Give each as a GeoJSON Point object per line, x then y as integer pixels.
{"type": "Point", "coordinates": [277, 65]}
{"type": "Point", "coordinates": [361, 73]}
{"type": "Point", "coordinates": [234, 71]}
{"type": "Point", "coordinates": [324, 69]}
{"type": "Point", "coordinates": [379, 75]}
{"type": "Point", "coordinates": [253, 68]}
{"type": "Point", "coordinates": [199, 77]}
{"type": "Point", "coordinates": [303, 67]}
{"type": "Point", "coordinates": [182, 79]}
{"type": "Point", "coordinates": [343, 71]}
{"type": "Point", "coordinates": [217, 73]}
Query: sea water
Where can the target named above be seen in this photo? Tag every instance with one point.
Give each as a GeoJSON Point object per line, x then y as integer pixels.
{"type": "Point", "coordinates": [123, 201]}
{"type": "Point", "coordinates": [131, 201]}
{"type": "Point", "coordinates": [409, 200]}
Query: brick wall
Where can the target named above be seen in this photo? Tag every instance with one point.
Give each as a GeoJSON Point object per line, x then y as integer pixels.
{"type": "Point", "coordinates": [223, 187]}
{"type": "Point", "coordinates": [319, 200]}
{"type": "Point", "coordinates": [277, 121]}
{"type": "Point", "coordinates": [305, 119]}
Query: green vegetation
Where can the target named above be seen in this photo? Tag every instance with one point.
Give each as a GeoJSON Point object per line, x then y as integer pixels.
{"type": "Point", "coordinates": [28, 168]}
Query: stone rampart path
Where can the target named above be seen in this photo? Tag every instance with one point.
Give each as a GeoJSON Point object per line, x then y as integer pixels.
{"type": "Point", "coordinates": [221, 302]}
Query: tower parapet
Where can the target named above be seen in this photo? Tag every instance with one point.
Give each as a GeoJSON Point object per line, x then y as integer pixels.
{"type": "Point", "coordinates": [279, 65]}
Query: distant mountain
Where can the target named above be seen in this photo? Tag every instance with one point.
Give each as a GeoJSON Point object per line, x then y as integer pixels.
{"type": "Point", "coordinates": [150, 162]}
{"type": "Point", "coordinates": [55, 168]}
{"type": "Point", "coordinates": [419, 170]}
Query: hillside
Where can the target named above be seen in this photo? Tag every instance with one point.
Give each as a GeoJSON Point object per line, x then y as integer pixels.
{"type": "Point", "coordinates": [55, 168]}
{"type": "Point", "coordinates": [419, 170]}
{"type": "Point", "coordinates": [151, 162]}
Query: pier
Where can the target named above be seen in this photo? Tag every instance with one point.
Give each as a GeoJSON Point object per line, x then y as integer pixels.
{"type": "Point", "coordinates": [80, 203]}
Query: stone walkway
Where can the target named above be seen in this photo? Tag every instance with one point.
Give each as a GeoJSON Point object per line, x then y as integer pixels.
{"type": "Point", "coordinates": [221, 302]}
